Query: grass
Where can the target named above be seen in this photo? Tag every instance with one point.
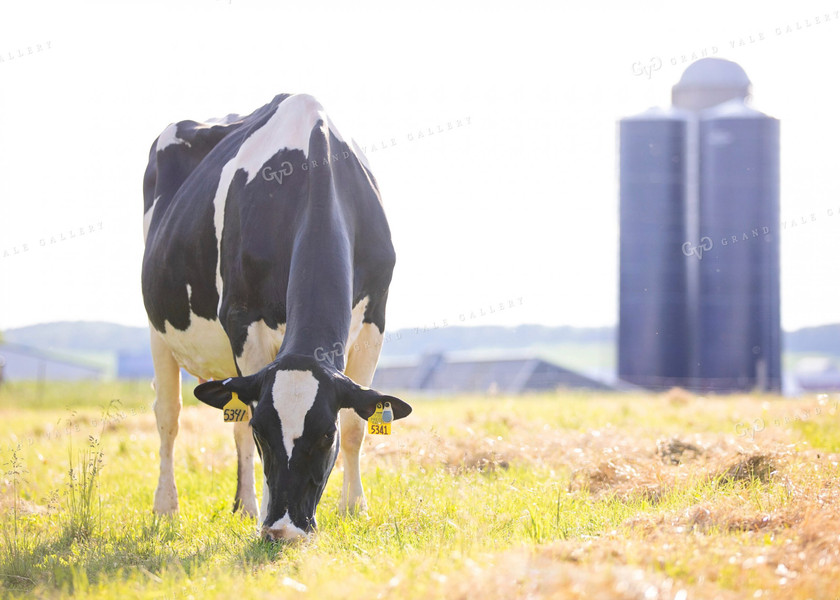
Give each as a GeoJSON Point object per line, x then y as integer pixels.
{"type": "Point", "coordinates": [559, 495]}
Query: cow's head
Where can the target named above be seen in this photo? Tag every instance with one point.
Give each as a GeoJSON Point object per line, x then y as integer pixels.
{"type": "Point", "coordinates": [294, 405]}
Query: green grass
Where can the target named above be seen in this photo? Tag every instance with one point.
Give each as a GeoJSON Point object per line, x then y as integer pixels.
{"type": "Point", "coordinates": [470, 497]}
{"type": "Point", "coordinates": [823, 434]}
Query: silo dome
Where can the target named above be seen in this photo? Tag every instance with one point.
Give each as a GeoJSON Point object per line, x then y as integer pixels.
{"type": "Point", "coordinates": [709, 82]}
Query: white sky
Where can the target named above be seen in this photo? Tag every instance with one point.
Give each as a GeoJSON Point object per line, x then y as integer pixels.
{"type": "Point", "coordinates": [520, 203]}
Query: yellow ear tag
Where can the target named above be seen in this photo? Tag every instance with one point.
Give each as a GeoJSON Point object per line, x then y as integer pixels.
{"type": "Point", "coordinates": [379, 422]}
{"type": "Point", "coordinates": [235, 410]}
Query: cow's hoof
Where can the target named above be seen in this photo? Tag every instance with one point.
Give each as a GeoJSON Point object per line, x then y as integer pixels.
{"type": "Point", "coordinates": [166, 500]}
{"type": "Point", "coordinates": [246, 508]}
{"type": "Point", "coordinates": [359, 507]}
{"type": "Point", "coordinates": [166, 510]}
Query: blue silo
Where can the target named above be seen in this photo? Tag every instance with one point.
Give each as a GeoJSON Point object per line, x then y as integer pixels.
{"type": "Point", "coordinates": [739, 329]}
{"type": "Point", "coordinates": [653, 331]}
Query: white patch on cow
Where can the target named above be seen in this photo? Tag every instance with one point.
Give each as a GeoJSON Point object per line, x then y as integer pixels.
{"type": "Point", "coordinates": [261, 346]}
{"type": "Point", "coordinates": [289, 127]}
{"type": "Point", "coordinates": [284, 528]}
{"type": "Point", "coordinates": [203, 349]}
{"type": "Point", "coordinates": [356, 318]}
{"type": "Point", "coordinates": [147, 219]}
{"type": "Point", "coordinates": [217, 121]}
{"type": "Point", "coordinates": [293, 394]}
{"type": "Point", "coordinates": [170, 137]}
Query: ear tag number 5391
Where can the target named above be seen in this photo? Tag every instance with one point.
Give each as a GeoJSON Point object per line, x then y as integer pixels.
{"type": "Point", "coordinates": [379, 422]}
{"type": "Point", "coordinates": [235, 410]}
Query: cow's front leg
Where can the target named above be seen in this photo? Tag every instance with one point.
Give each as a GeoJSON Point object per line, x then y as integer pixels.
{"type": "Point", "coordinates": [246, 491]}
{"type": "Point", "coordinates": [362, 357]}
{"type": "Point", "coordinates": [167, 407]}
{"type": "Point", "coordinates": [352, 436]}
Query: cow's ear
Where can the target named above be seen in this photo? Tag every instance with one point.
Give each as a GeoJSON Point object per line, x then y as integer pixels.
{"type": "Point", "coordinates": [218, 393]}
{"type": "Point", "coordinates": [364, 400]}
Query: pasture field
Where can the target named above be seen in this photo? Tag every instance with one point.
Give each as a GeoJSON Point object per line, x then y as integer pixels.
{"type": "Point", "coordinates": [562, 495]}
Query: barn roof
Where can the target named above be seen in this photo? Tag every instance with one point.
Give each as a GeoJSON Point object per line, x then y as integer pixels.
{"type": "Point", "coordinates": [441, 373]}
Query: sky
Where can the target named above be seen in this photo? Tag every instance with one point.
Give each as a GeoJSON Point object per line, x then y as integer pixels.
{"type": "Point", "coordinates": [516, 205]}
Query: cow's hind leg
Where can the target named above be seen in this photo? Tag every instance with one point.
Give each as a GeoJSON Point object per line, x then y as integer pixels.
{"type": "Point", "coordinates": [362, 357]}
{"type": "Point", "coordinates": [167, 409]}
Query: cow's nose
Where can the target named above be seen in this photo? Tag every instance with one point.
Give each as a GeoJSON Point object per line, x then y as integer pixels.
{"type": "Point", "coordinates": [285, 532]}
{"type": "Point", "coordinates": [283, 529]}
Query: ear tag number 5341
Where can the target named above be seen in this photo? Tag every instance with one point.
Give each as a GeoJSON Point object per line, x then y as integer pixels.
{"type": "Point", "coordinates": [235, 410]}
{"type": "Point", "coordinates": [379, 422]}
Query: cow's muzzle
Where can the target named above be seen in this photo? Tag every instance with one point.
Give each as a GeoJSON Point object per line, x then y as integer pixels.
{"type": "Point", "coordinates": [284, 530]}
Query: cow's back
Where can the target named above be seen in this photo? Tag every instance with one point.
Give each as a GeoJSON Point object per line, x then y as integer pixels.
{"type": "Point", "coordinates": [220, 224]}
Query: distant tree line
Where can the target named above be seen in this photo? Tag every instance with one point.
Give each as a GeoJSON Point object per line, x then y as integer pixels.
{"type": "Point", "coordinates": [110, 337]}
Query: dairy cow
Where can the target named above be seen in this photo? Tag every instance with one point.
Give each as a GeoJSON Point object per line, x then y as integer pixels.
{"type": "Point", "coordinates": [266, 271]}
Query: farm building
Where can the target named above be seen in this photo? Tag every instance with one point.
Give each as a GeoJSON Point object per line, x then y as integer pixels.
{"type": "Point", "coordinates": [817, 374]}
{"type": "Point", "coordinates": [437, 373]}
{"type": "Point", "coordinates": [135, 365]}
{"type": "Point", "coordinates": [139, 365]}
{"type": "Point", "coordinates": [19, 362]}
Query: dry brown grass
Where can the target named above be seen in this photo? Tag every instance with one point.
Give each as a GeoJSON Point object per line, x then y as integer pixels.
{"type": "Point", "coordinates": [773, 530]}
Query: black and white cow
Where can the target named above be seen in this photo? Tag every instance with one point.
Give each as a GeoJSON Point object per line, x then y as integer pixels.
{"type": "Point", "coordinates": [267, 264]}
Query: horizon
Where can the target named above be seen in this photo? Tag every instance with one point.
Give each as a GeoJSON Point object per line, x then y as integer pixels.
{"type": "Point", "coordinates": [420, 328]}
